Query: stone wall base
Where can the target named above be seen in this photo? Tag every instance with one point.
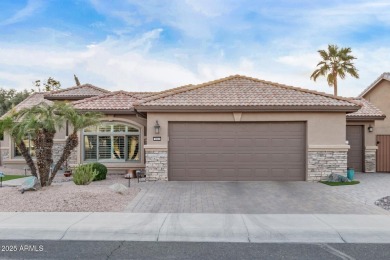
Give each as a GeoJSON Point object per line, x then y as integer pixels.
{"type": "Point", "coordinates": [370, 161]}
{"type": "Point", "coordinates": [156, 165]}
{"type": "Point", "coordinates": [323, 163]}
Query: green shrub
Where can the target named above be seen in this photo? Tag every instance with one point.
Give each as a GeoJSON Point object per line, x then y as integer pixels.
{"type": "Point", "coordinates": [101, 171]}
{"type": "Point", "coordinates": [84, 174]}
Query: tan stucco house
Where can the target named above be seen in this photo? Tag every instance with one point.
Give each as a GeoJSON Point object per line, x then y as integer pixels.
{"type": "Point", "coordinates": [378, 94]}
{"type": "Point", "coordinates": [234, 128]}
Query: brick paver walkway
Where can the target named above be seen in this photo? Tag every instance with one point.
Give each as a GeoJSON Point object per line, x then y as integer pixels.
{"type": "Point", "coordinates": [262, 197]}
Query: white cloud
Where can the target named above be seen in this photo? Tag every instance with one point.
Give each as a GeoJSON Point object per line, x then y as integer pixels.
{"type": "Point", "coordinates": [29, 10]}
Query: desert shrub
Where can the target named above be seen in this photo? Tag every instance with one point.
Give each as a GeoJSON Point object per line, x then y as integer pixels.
{"type": "Point", "coordinates": [84, 174]}
{"type": "Point", "coordinates": [101, 171]}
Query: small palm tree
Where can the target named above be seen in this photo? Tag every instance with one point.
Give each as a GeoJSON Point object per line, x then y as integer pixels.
{"type": "Point", "coordinates": [41, 122]}
{"type": "Point", "coordinates": [335, 63]}
{"type": "Point", "coordinates": [78, 121]}
{"type": "Point", "coordinates": [9, 125]}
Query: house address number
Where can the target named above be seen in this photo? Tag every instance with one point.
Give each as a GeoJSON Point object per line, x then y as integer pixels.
{"type": "Point", "coordinates": [157, 138]}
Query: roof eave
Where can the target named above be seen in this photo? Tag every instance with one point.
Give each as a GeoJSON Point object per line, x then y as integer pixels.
{"type": "Point", "coordinates": [365, 118]}
{"type": "Point", "coordinates": [345, 109]}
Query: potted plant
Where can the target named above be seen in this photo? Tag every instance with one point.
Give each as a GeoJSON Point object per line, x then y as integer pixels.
{"type": "Point", "coordinates": [68, 171]}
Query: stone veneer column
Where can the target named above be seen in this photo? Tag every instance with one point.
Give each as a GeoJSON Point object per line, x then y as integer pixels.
{"type": "Point", "coordinates": [58, 148]}
{"type": "Point", "coordinates": [322, 163]}
{"type": "Point", "coordinates": [156, 165]}
{"type": "Point", "coordinates": [370, 159]}
{"type": "Point", "coordinates": [4, 155]}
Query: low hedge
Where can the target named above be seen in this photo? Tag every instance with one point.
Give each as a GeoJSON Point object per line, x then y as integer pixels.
{"type": "Point", "coordinates": [101, 170]}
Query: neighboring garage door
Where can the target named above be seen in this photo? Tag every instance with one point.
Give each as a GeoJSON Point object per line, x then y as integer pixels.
{"type": "Point", "coordinates": [355, 153]}
{"type": "Point", "coordinates": [237, 151]}
{"type": "Point", "coordinates": [383, 153]}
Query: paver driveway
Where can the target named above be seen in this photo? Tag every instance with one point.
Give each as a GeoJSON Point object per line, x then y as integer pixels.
{"type": "Point", "coordinates": [262, 197]}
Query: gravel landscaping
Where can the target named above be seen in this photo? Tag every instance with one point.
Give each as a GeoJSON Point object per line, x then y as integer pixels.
{"type": "Point", "coordinates": [64, 196]}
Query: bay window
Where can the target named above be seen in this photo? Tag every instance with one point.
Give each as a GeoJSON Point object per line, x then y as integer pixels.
{"type": "Point", "coordinates": [112, 141]}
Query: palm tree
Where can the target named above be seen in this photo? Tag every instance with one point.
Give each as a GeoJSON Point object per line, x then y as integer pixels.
{"type": "Point", "coordinates": [78, 121]}
{"type": "Point", "coordinates": [9, 125]}
{"type": "Point", "coordinates": [335, 63]}
{"type": "Point", "coordinates": [41, 122]}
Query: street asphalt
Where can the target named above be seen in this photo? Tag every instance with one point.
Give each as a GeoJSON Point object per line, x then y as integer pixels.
{"type": "Point", "coordinates": [184, 250]}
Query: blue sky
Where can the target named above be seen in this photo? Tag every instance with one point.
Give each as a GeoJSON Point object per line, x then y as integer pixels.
{"type": "Point", "coordinates": [152, 45]}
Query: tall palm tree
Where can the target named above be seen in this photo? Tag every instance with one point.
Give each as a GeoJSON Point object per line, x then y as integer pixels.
{"type": "Point", "coordinates": [335, 63]}
{"type": "Point", "coordinates": [41, 122]}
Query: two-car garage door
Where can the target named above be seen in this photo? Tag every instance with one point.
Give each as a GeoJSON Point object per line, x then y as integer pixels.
{"type": "Point", "coordinates": [200, 151]}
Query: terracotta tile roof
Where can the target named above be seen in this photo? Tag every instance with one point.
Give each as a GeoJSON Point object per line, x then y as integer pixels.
{"type": "Point", "coordinates": [368, 110]}
{"type": "Point", "coordinates": [77, 92]}
{"type": "Point", "coordinates": [384, 76]}
{"type": "Point", "coordinates": [241, 91]}
{"type": "Point", "coordinates": [119, 100]}
{"type": "Point", "coordinates": [32, 100]}
{"type": "Point", "coordinates": [141, 95]}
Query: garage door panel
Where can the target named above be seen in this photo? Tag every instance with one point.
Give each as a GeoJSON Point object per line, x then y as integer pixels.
{"type": "Point", "coordinates": [237, 151]}
{"type": "Point", "coordinates": [245, 158]}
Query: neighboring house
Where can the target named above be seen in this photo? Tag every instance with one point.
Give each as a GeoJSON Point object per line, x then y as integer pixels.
{"type": "Point", "coordinates": [378, 93]}
{"type": "Point", "coordinates": [235, 128]}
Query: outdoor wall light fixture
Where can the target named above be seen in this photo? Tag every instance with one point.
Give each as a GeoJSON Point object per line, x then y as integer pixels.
{"type": "Point", "coordinates": [370, 129]}
{"type": "Point", "coordinates": [156, 128]}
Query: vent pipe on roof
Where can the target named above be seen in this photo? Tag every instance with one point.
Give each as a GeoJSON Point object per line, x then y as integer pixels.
{"type": "Point", "coordinates": [77, 80]}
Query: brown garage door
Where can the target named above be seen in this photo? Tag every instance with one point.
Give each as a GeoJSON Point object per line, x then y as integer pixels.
{"type": "Point", "coordinates": [237, 151]}
{"type": "Point", "coordinates": [355, 153]}
{"type": "Point", "coordinates": [383, 153]}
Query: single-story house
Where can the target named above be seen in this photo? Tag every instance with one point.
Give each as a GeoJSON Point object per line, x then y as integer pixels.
{"type": "Point", "coordinates": [234, 128]}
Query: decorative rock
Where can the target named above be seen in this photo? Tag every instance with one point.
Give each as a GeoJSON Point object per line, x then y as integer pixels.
{"type": "Point", "coordinates": [337, 178]}
{"type": "Point", "coordinates": [384, 203]}
{"type": "Point", "coordinates": [118, 188]}
{"type": "Point", "coordinates": [31, 183]}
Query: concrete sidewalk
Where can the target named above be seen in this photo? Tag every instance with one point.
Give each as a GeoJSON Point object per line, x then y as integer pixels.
{"type": "Point", "coordinates": [256, 228]}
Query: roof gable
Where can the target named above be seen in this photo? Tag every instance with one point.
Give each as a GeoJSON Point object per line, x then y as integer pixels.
{"type": "Point", "coordinates": [119, 100]}
{"type": "Point", "coordinates": [76, 92]}
{"type": "Point", "coordinates": [384, 76]}
{"type": "Point", "coordinates": [244, 92]}
{"type": "Point", "coordinates": [32, 100]}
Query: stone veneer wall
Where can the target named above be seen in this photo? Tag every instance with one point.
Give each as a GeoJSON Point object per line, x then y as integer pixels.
{"type": "Point", "coordinates": [156, 165]}
{"type": "Point", "coordinates": [4, 155]}
{"type": "Point", "coordinates": [57, 151]}
{"type": "Point", "coordinates": [370, 160]}
{"type": "Point", "coordinates": [322, 163]}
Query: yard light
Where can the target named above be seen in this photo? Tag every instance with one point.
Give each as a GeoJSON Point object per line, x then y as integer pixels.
{"type": "Point", "coordinates": [156, 128]}
{"type": "Point", "coordinates": [370, 129]}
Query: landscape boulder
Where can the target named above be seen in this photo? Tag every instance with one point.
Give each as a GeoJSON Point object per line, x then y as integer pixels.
{"type": "Point", "coordinates": [30, 183]}
{"type": "Point", "coordinates": [118, 188]}
{"type": "Point", "coordinates": [337, 178]}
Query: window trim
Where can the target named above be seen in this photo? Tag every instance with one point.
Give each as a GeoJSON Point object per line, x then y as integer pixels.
{"type": "Point", "coordinates": [112, 134]}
